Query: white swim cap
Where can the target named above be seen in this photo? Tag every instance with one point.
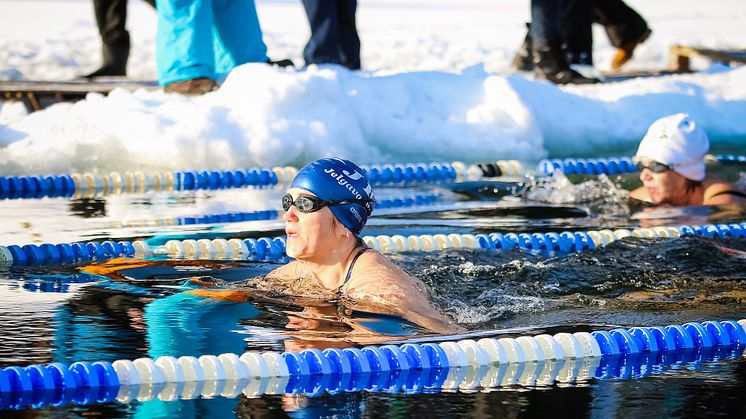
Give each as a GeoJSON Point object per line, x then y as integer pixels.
{"type": "Point", "coordinates": [678, 141]}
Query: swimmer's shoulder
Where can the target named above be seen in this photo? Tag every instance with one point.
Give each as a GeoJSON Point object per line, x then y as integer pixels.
{"type": "Point", "coordinates": [375, 271]}
{"type": "Point", "coordinates": [381, 284]}
{"type": "Point", "coordinates": [718, 192]}
{"type": "Point", "coordinates": [373, 262]}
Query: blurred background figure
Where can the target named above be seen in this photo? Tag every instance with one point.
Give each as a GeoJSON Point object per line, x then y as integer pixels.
{"type": "Point", "coordinates": [545, 37]}
{"type": "Point", "coordinates": [334, 38]}
{"type": "Point", "coordinates": [111, 19]}
{"type": "Point", "coordinates": [200, 40]}
{"type": "Point", "coordinates": [625, 28]}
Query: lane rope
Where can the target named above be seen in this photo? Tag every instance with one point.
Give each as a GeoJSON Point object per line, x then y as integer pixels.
{"type": "Point", "coordinates": [411, 367]}
{"type": "Point", "coordinates": [273, 248]}
{"type": "Point", "coordinates": [89, 184]}
{"type": "Point", "coordinates": [610, 165]}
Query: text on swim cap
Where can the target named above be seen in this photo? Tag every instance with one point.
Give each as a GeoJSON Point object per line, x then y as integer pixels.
{"type": "Point", "coordinates": [354, 176]}
{"type": "Point", "coordinates": [356, 214]}
{"type": "Point", "coordinates": [343, 182]}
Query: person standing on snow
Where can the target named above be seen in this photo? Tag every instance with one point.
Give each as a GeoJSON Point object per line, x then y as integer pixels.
{"type": "Point", "coordinates": [625, 28]}
{"type": "Point", "coordinates": [111, 19]}
{"type": "Point", "coordinates": [334, 38]}
{"type": "Point", "coordinates": [547, 58]}
{"type": "Point", "coordinates": [198, 40]}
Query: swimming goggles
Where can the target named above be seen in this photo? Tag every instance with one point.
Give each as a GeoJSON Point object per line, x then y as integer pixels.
{"type": "Point", "coordinates": [652, 165]}
{"type": "Point", "coordinates": [308, 203]}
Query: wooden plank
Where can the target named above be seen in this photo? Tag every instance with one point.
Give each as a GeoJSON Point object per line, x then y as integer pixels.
{"type": "Point", "coordinates": [680, 55]}
{"type": "Point", "coordinates": [609, 77]}
{"type": "Point", "coordinates": [39, 94]}
{"type": "Point", "coordinates": [38, 86]}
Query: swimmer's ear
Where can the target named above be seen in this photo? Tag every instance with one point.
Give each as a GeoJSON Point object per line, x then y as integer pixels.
{"type": "Point", "coordinates": [336, 224]}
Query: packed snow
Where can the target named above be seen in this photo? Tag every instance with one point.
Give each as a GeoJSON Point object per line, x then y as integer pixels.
{"type": "Point", "coordinates": [436, 85]}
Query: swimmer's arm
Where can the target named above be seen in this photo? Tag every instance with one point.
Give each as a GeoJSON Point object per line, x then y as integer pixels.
{"type": "Point", "coordinates": [390, 289]}
{"type": "Point", "coordinates": [421, 312]}
{"type": "Point", "coordinates": [288, 272]}
{"type": "Point", "coordinates": [422, 315]}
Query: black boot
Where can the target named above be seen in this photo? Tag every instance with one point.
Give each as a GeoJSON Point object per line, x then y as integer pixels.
{"type": "Point", "coordinates": [522, 60]}
{"type": "Point", "coordinates": [115, 61]}
{"type": "Point", "coordinates": [550, 64]}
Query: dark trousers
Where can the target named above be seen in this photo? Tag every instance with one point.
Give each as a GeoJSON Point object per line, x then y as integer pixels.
{"type": "Point", "coordinates": [568, 22]}
{"type": "Point", "coordinates": [545, 26]}
{"type": "Point", "coordinates": [334, 38]}
{"type": "Point", "coordinates": [623, 25]}
{"type": "Point", "coordinates": [111, 18]}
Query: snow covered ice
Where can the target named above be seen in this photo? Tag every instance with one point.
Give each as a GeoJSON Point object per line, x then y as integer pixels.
{"type": "Point", "coordinates": [436, 86]}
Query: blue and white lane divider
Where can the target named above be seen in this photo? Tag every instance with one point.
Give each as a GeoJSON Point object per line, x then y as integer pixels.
{"type": "Point", "coordinates": [730, 158]}
{"type": "Point", "coordinates": [565, 242]}
{"type": "Point", "coordinates": [415, 173]}
{"type": "Point", "coordinates": [273, 248]}
{"type": "Point", "coordinates": [441, 366]}
{"type": "Point", "coordinates": [545, 373]}
{"type": "Point", "coordinates": [609, 166]}
{"type": "Point", "coordinates": [90, 184]}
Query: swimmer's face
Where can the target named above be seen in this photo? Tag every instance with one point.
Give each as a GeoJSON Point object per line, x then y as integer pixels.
{"type": "Point", "coordinates": [667, 187]}
{"type": "Point", "coordinates": [313, 235]}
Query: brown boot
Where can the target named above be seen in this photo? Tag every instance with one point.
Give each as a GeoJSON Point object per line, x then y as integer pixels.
{"type": "Point", "coordinates": [192, 87]}
{"type": "Point", "coordinates": [625, 53]}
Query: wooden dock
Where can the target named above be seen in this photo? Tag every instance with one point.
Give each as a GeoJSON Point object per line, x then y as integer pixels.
{"type": "Point", "coordinates": [679, 56]}
{"type": "Point", "coordinates": [38, 95]}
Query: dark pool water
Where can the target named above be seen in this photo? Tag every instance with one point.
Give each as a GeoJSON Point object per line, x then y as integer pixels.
{"type": "Point", "coordinates": [62, 314]}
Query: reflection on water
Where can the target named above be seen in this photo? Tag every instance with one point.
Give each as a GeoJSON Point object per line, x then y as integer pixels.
{"type": "Point", "coordinates": [128, 309]}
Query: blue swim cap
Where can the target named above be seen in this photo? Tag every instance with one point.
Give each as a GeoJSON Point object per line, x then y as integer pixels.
{"type": "Point", "coordinates": [335, 179]}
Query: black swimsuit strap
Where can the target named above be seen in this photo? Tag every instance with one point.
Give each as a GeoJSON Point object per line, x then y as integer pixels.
{"type": "Point", "coordinates": [352, 265]}
{"type": "Point", "coordinates": [736, 193]}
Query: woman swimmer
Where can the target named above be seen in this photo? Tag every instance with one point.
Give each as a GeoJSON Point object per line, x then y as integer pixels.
{"type": "Point", "coordinates": [326, 207]}
{"type": "Point", "coordinates": [672, 170]}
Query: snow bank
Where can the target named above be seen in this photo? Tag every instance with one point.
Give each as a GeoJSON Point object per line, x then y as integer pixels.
{"type": "Point", "coordinates": [436, 87]}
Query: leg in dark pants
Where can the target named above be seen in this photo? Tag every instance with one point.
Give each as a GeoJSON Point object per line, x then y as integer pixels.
{"type": "Point", "coordinates": [111, 18]}
{"type": "Point", "coordinates": [625, 28]}
{"type": "Point", "coordinates": [546, 39]}
{"type": "Point", "coordinates": [349, 39]}
{"type": "Point", "coordinates": [623, 25]}
{"type": "Point", "coordinates": [576, 23]}
{"type": "Point", "coordinates": [334, 38]}
{"type": "Point", "coordinates": [545, 21]}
